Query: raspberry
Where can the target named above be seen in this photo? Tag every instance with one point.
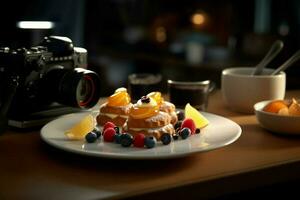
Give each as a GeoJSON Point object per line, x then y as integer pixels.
{"type": "Point", "coordinates": [189, 123]}
{"type": "Point", "coordinates": [108, 125]}
{"type": "Point", "coordinates": [109, 135]}
{"type": "Point", "coordinates": [139, 140]}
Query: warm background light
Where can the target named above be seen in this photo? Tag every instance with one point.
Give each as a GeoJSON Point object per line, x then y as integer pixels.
{"type": "Point", "coordinates": [161, 34]}
{"type": "Point", "coordinates": [198, 19]}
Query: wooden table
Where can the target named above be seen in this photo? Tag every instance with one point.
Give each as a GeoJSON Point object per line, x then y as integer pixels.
{"type": "Point", "coordinates": [30, 169]}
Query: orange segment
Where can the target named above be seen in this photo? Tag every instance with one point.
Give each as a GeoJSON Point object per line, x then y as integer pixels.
{"type": "Point", "coordinates": [283, 111]}
{"type": "Point", "coordinates": [294, 108]}
{"type": "Point", "coordinates": [79, 130]}
{"type": "Point", "coordinates": [275, 106]}
{"type": "Point", "coordinates": [143, 112]}
{"type": "Point", "coordinates": [157, 97]}
{"type": "Point", "coordinates": [119, 98]}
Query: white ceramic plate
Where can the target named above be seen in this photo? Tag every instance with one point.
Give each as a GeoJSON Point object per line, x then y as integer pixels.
{"type": "Point", "coordinates": [220, 132]}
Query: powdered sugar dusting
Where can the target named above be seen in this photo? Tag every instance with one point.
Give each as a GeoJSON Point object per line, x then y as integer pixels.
{"type": "Point", "coordinates": [159, 117]}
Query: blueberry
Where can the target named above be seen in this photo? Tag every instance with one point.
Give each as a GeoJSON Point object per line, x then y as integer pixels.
{"type": "Point", "coordinates": [118, 138]}
{"type": "Point", "coordinates": [175, 136]}
{"type": "Point", "coordinates": [165, 138]}
{"type": "Point", "coordinates": [126, 139]}
{"type": "Point", "coordinates": [185, 133]}
{"type": "Point", "coordinates": [150, 142]}
{"type": "Point", "coordinates": [91, 137]}
{"type": "Point", "coordinates": [97, 132]}
{"type": "Point", "coordinates": [180, 115]}
{"type": "Point", "coordinates": [145, 99]}
{"type": "Point", "coordinates": [177, 125]}
{"type": "Point", "coordinates": [197, 131]}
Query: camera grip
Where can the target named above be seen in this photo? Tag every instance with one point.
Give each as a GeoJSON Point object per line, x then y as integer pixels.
{"type": "Point", "coordinates": [11, 90]}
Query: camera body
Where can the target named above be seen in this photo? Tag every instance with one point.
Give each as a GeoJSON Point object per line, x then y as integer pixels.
{"type": "Point", "coordinates": [33, 80]}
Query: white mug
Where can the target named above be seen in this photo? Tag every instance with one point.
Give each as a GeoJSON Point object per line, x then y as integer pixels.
{"type": "Point", "coordinates": [241, 90]}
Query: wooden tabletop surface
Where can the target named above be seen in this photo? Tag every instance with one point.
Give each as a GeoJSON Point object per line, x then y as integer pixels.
{"type": "Point", "coordinates": [30, 169]}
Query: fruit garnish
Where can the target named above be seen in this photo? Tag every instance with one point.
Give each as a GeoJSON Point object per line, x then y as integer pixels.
{"type": "Point", "coordinates": [119, 98]}
{"type": "Point", "coordinates": [283, 111]}
{"type": "Point", "coordinates": [83, 127]}
{"type": "Point", "coordinates": [294, 108]}
{"type": "Point", "coordinates": [97, 132]}
{"type": "Point", "coordinates": [157, 97]}
{"type": "Point", "coordinates": [117, 138]}
{"type": "Point", "coordinates": [126, 139]}
{"type": "Point", "coordinates": [150, 102]}
{"type": "Point", "coordinates": [189, 123]}
{"type": "Point", "coordinates": [108, 125]}
{"type": "Point", "coordinates": [275, 106]}
{"type": "Point", "coordinates": [121, 89]}
{"type": "Point", "coordinates": [145, 99]}
{"type": "Point", "coordinates": [185, 133]}
{"type": "Point", "coordinates": [109, 134]}
{"type": "Point", "coordinates": [198, 131]}
{"type": "Point", "coordinates": [139, 140]}
{"type": "Point", "coordinates": [150, 142]}
{"type": "Point", "coordinates": [91, 137]}
{"type": "Point", "coordinates": [166, 138]}
{"type": "Point", "coordinates": [142, 110]}
{"type": "Point", "coordinates": [193, 113]}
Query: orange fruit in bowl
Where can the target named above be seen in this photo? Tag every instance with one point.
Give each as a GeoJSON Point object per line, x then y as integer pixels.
{"type": "Point", "coordinates": [294, 108]}
{"type": "Point", "coordinates": [275, 106]}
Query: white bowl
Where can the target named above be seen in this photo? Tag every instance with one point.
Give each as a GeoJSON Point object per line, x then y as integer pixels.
{"type": "Point", "coordinates": [276, 123]}
{"type": "Point", "coordinates": [241, 90]}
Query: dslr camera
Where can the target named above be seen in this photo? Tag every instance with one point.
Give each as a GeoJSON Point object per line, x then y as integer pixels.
{"type": "Point", "coordinates": [44, 81]}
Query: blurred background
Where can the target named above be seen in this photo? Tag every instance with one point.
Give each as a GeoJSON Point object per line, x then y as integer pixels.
{"type": "Point", "coordinates": [182, 40]}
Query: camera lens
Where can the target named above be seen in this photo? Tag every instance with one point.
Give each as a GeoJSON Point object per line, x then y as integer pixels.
{"type": "Point", "coordinates": [73, 87]}
{"type": "Point", "coordinates": [85, 91]}
{"type": "Point", "coordinates": [79, 88]}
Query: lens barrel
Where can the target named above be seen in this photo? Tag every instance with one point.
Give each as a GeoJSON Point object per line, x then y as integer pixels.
{"type": "Point", "coordinates": [72, 87]}
{"type": "Point", "coordinates": [79, 88]}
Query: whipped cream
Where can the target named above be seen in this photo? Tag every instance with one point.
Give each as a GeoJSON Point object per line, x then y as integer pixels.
{"type": "Point", "coordinates": [140, 104]}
